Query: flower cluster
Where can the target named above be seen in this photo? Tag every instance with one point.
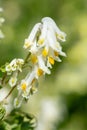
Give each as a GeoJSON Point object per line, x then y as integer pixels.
{"type": "Point", "coordinates": [1, 22]}
{"type": "Point", "coordinates": [44, 49]}
{"type": "Point", "coordinates": [14, 65]}
{"type": "Point", "coordinates": [12, 69]}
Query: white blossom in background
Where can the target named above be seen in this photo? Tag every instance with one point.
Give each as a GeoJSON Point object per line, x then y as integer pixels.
{"type": "Point", "coordinates": [44, 47]}
{"type": "Point", "coordinates": [1, 22]}
{"type": "Point", "coordinates": [50, 112]}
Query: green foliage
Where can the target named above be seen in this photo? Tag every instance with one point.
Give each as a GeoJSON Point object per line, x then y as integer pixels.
{"type": "Point", "coordinates": [2, 112]}
{"type": "Point", "coordinates": [18, 120]}
{"type": "Point", "coordinates": [77, 113]}
{"type": "Point", "coordinates": [2, 68]}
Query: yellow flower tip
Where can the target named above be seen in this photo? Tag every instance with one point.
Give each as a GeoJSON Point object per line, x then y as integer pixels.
{"type": "Point", "coordinates": [23, 86]}
{"type": "Point", "coordinates": [40, 41]}
{"type": "Point", "coordinates": [51, 60]}
{"type": "Point", "coordinates": [60, 36]}
{"type": "Point", "coordinates": [56, 53]}
{"type": "Point", "coordinates": [26, 45]}
{"type": "Point", "coordinates": [39, 72]}
{"type": "Point", "coordinates": [13, 80]}
{"type": "Point", "coordinates": [45, 52]}
{"type": "Point", "coordinates": [34, 59]}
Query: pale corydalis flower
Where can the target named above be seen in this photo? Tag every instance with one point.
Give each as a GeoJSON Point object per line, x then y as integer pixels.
{"type": "Point", "coordinates": [12, 69]}
{"type": "Point", "coordinates": [13, 79]}
{"type": "Point", "coordinates": [14, 65]}
{"type": "Point", "coordinates": [44, 47]}
{"type": "Point", "coordinates": [1, 22]}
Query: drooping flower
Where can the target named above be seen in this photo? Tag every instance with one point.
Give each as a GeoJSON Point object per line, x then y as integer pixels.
{"type": "Point", "coordinates": [44, 47]}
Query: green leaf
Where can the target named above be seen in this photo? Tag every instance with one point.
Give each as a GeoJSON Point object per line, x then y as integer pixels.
{"type": "Point", "coordinates": [18, 120]}
{"type": "Point", "coordinates": [2, 68]}
{"type": "Point", "coordinates": [2, 112]}
{"type": "Point", "coordinates": [5, 126]}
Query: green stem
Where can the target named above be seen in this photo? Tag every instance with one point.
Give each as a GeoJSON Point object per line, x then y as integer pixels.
{"type": "Point", "coordinates": [26, 59]}
{"type": "Point", "coordinates": [10, 92]}
{"type": "Point", "coordinates": [3, 78]}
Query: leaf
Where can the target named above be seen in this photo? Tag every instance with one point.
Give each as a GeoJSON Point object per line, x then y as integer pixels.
{"type": "Point", "coordinates": [2, 112]}
{"type": "Point", "coordinates": [5, 126]}
{"type": "Point", "coordinates": [18, 120]}
{"type": "Point", "coordinates": [2, 68]}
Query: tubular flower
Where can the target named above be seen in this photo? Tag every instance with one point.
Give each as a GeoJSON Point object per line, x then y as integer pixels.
{"type": "Point", "coordinates": [44, 47]}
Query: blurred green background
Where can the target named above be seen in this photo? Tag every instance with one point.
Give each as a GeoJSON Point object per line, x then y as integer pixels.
{"type": "Point", "coordinates": [67, 84]}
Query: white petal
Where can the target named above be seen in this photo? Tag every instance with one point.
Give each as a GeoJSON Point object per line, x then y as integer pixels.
{"type": "Point", "coordinates": [49, 65]}
{"type": "Point", "coordinates": [58, 59]}
{"type": "Point", "coordinates": [34, 32]}
{"type": "Point", "coordinates": [29, 78]}
{"type": "Point", "coordinates": [13, 62]}
{"type": "Point", "coordinates": [12, 81]}
{"type": "Point", "coordinates": [51, 41]}
{"type": "Point", "coordinates": [43, 31]}
{"type": "Point", "coordinates": [61, 35]}
{"type": "Point", "coordinates": [26, 94]}
{"type": "Point", "coordinates": [34, 48]}
{"type": "Point", "coordinates": [58, 45]}
{"type": "Point", "coordinates": [62, 53]}
{"type": "Point", "coordinates": [42, 65]}
{"type": "Point", "coordinates": [18, 101]}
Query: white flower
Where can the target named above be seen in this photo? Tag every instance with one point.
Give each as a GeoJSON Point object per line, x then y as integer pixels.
{"type": "Point", "coordinates": [43, 33]}
{"type": "Point", "coordinates": [14, 65]}
{"type": "Point", "coordinates": [34, 49]}
{"type": "Point", "coordinates": [60, 35]}
{"type": "Point", "coordinates": [8, 69]}
{"type": "Point", "coordinates": [44, 46]}
{"type": "Point", "coordinates": [31, 38]}
{"type": "Point", "coordinates": [19, 63]}
{"type": "Point", "coordinates": [26, 84]}
{"type": "Point", "coordinates": [13, 79]}
{"type": "Point", "coordinates": [18, 101]}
